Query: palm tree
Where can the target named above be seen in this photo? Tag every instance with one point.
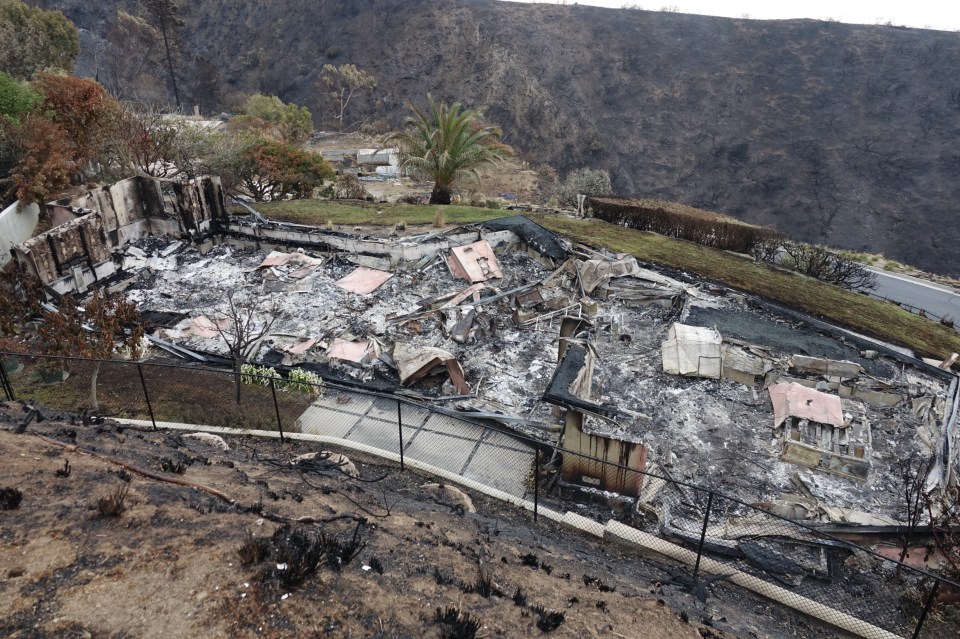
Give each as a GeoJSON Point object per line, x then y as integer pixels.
{"type": "Point", "coordinates": [447, 144]}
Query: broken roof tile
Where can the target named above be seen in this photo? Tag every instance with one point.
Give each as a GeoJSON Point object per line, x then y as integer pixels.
{"type": "Point", "coordinates": [414, 363]}
{"type": "Point", "coordinates": [474, 262]}
{"type": "Point", "coordinates": [349, 351]}
{"type": "Point", "coordinates": [203, 326]}
{"type": "Point", "coordinates": [278, 258]}
{"type": "Point", "coordinates": [795, 400]}
{"type": "Point", "coordinates": [363, 280]}
{"type": "Point", "coordinates": [301, 347]}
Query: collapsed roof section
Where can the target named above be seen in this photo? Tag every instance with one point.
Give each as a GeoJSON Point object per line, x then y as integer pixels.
{"type": "Point", "coordinates": [692, 350]}
{"type": "Point", "coordinates": [538, 238]}
{"type": "Point", "coordinates": [792, 400]}
{"type": "Point", "coordinates": [570, 384]}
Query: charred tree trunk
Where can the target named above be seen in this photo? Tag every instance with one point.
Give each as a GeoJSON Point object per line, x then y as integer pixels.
{"type": "Point", "coordinates": [237, 378]}
{"type": "Point", "coordinates": [441, 194]}
{"type": "Point", "coordinates": [173, 76]}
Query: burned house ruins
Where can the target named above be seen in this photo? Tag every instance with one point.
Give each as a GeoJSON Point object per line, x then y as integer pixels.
{"type": "Point", "coordinates": [77, 251]}
{"type": "Point", "coordinates": [604, 356]}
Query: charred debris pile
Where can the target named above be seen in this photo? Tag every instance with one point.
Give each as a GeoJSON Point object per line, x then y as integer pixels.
{"type": "Point", "coordinates": [591, 351]}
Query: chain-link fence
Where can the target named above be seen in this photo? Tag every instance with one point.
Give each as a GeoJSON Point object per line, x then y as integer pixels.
{"type": "Point", "coordinates": [713, 537]}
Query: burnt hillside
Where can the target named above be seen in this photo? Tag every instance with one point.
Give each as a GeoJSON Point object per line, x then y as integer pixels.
{"type": "Point", "coordinates": [835, 133]}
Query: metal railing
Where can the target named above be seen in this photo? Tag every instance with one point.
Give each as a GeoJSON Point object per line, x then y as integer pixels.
{"type": "Point", "coordinates": [715, 537]}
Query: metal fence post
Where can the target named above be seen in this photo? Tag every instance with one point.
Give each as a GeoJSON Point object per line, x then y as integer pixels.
{"type": "Point", "coordinates": [400, 427]}
{"type": "Point", "coordinates": [276, 406]}
{"type": "Point", "coordinates": [536, 486]}
{"type": "Point", "coordinates": [703, 535]}
{"type": "Point", "coordinates": [5, 382]}
{"type": "Point", "coordinates": [146, 395]}
{"type": "Point", "coordinates": [926, 608]}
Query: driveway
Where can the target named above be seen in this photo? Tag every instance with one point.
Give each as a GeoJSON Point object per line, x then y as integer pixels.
{"type": "Point", "coordinates": [481, 454]}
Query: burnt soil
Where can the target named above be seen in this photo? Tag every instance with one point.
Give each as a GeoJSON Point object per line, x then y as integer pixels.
{"type": "Point", "coordinates": [168, 565]}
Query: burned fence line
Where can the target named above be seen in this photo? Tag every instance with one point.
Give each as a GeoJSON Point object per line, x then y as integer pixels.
{"type": "Point", "coordinates": [802, 565]}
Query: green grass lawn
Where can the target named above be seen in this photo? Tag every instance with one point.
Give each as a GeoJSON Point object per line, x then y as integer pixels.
{"type": "Point", "coordinates": [834, 304]}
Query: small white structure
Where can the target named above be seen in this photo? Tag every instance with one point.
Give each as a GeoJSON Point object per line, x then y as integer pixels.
{"type": "Point", "coordinates": [16, 226]}
{"type": "Point", "coordinates": [378, 157]}
{"type": "Point", "coordinates": [693, 351]}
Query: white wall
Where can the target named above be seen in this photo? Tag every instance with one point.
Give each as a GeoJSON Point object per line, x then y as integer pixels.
{"type": "Point", "coordinates": [15, 227]}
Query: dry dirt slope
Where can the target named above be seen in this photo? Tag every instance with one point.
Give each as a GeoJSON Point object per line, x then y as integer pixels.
{"type": "Point", "coordinates": [169, 567]}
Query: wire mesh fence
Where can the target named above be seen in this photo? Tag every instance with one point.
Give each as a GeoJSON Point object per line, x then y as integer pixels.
{"type": "Point", "coordinates": [713, 537]}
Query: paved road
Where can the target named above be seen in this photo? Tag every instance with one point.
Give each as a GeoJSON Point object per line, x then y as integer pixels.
{"type": "Point", "coordinates": [936, 300]}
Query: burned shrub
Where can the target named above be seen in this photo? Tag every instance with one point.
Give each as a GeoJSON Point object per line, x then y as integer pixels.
{"type": "Point", "coordinates": [442, 579]}
{"type": "Point", "coordinates": [596, 581]}
{"type": "Point", "coordinates": [10, 498]}
{"type": "Point", "coordinates": [253, 550]}
{"type": "Point", "coordinates": [520, 598]}
{"type": "Point", "coordinates": [530, 560]}
{"type": "Point", "coordinates": [296, 552]}
{"type": "Point", "coordinates": [65, 471]}
{"type": "Point", "coordinates": [456, 624]}
{"type": "Point", "coordinates": [548, 620]}
{"type": "Point", "coordinates": [825, 265]}
{"type": "Point", "coordinates": [167, 465]}
{"type": "Point", "coordinates": [340, 553]}
{"type": "Point", "coordinates": [349, 187]}
{"type": "Point", "coordinates": [113, 504]}
{"type": "Point", "coordinates": [480, 587]}
{"type": "Point", "coordinates": [534, 562]}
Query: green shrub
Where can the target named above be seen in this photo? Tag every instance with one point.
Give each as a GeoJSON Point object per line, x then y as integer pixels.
{"type": "Point", "coordinates": [298, 380]}
{"type": "Point", "coordinates": [589, 182]}
{"type": "Point", "coordinates": [295, 122]}
{"type": "Point", "coordinates": [260, 375]}
{"type": "Point", "coordinates": [305, 382]}
{"type": "Point", "coordinates": [17, 98]}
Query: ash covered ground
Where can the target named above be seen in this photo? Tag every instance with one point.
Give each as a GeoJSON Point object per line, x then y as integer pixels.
{"type": "Point", "coordinates": [716, 432]}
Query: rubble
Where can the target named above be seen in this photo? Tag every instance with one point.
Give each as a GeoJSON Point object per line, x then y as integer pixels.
{"type": "Point", "coordinates": [76, 251]}
{"type": "Point", "coordinates": [414, 364]}
{"type": "Point", "coordinates": [693, 351]}
{"type": "Point", "coordinates": [569, 344]}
